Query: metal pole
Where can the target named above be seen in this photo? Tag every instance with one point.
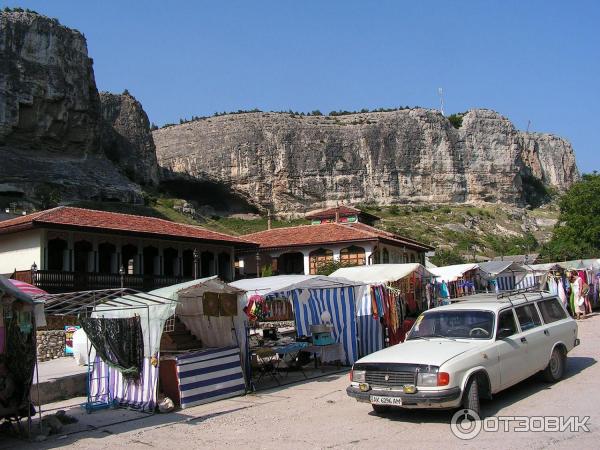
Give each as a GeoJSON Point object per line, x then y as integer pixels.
{"type": "Point", "coordinates": [196, 257]}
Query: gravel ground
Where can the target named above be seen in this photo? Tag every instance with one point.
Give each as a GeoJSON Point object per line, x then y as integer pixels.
{"type": "Point", "coordinates": [318, 414]}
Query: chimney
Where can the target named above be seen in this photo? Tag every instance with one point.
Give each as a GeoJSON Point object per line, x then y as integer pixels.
{"type": "Point", "coordinates": [269, 223]}
{"type": "Point", "coordinates": [337, 212]}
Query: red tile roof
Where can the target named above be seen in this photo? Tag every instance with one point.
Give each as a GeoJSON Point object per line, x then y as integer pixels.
{"type": "Point", "coordinates": [328, 233]}
{"type": "Point", "coordinates": [93, 220]}
{"type": "Point", "coordinates": [343, 211]}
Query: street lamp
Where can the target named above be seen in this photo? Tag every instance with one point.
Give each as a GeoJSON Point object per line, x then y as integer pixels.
{"type": "Point", "coordinates": [122, 275]}
{"type": "Point", "coordinates": [34, 269]}
{"type": "Point", "coordinates": [196, 259]}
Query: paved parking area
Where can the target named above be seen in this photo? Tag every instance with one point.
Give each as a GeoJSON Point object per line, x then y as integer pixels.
{"type": "Point", "coordinates": [318, 414]}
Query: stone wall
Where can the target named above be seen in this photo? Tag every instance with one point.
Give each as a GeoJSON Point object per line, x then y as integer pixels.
{"type": "Point", "coordinates": [50, 344]}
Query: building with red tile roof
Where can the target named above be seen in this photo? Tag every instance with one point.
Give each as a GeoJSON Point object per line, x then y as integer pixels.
{"type": "Point", "coordinates": [302, 249]}
{"type": "Point", "coordinates": [341, 214]}
{"type": "Point", "coordinates": [67, 244]}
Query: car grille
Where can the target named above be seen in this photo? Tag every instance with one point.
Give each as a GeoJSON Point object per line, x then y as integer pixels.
{"type": "Point", "coordinates": [378, 378]}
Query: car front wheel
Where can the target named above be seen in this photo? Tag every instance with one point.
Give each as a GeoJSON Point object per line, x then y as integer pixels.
{"type": "Point", "coordinates": [556, 366]}
{"type": "Point", "coordinates": [471, 396]}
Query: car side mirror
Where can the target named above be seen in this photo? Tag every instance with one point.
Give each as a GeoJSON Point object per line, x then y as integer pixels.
{"type": "Point", "coordinates": [504, 333]}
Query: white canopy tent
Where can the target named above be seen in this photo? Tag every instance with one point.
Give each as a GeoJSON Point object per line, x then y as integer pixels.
{"type": "Point", "coordinates": [380, 273]}
{"type": "Point", "coordinates": [452, 273]}
{"type": "Point", "coordinates": [311, 295]}
{"type": "Point", "coordinates": [279, 283]}
{"type": "Point", "coordinates": [377, 277]}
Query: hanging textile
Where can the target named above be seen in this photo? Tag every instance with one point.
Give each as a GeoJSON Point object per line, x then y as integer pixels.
{"type": "Point", "coordinates": [340, 304]}
{"type": "Point", "coordinates": [119, 342]}
{"type": "Point", "coordinates": [19, 362]}
{"type": "Point", "coordinates": [108, 383]}
{"type": "Point", "coordinates": [370, 331]}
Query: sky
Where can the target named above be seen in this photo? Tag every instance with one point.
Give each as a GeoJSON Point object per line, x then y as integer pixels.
{"type": "Point", "coordinates": [537, 62]}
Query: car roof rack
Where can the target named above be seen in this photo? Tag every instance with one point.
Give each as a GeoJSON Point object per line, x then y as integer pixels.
{"type": "Point", "coordinates": [521, 294]}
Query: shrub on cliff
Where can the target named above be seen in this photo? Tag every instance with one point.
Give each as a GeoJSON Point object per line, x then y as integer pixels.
{"type": "Point", "coordinates": [455, 120]}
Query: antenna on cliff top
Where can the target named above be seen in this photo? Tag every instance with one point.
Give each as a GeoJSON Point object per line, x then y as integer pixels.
{"type": "Point", "coordinates": [441, 94]}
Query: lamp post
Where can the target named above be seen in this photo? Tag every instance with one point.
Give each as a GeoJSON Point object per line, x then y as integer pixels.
{"type": "Point", "coordinates": [34, 269]}
{"type": "Point", "coordinates": [122, 274]}
{"type": "Point", "coordinates": [196, 259]}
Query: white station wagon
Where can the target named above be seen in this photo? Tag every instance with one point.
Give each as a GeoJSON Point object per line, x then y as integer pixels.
{"type": "Point", "coordinates": [455, 354]}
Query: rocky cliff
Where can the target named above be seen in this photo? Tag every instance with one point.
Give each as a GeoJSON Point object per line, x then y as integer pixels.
{"type": "Point", "coordinates": [50, 115]}
{"type": "Point", "coordinates": [290, 163]}
{"type": "Point", "coordinates": [126, 137]}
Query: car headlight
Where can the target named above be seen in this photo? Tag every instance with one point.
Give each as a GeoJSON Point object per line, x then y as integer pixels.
{"type": "Point", "coordinates": [359, 376]}
{"type": "Point", "coordinates": [427, 379]}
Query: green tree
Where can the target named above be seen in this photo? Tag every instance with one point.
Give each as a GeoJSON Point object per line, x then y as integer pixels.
{"type": "Point", "coordinates": [327, 268]}
{"type": "Point", "coordinates": [447, 258]}
{"type": "Point", "coordinates": [577, 234]}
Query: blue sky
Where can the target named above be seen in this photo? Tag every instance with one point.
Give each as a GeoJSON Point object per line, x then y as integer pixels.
{"type": "Point", "coordinates": [535, 61]}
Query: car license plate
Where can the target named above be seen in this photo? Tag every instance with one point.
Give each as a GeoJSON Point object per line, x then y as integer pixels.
{"type": "Point", "coordinates": [391, 401]}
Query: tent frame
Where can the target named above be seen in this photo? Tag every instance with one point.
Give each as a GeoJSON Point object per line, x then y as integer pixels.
{"type": "Point", "coordinates": [85, 303]}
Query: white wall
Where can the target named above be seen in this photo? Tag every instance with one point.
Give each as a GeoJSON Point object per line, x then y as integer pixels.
{"type": "Point", "coordinates": [20, 250]}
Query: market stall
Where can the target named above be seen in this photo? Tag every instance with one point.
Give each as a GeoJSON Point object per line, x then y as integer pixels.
{"type": "Point", "coordinates": [499, 276]}
{"type": "Point", "coordinates": [315, 301]}
{"type": "Point", "coordinates": [394, 295]}
{"type": "Point", "coordinates": [213, 313]}
{"type": "Point", "coordinates": [124, 328]}
{"type": "Point", "coordinates": [20, 315]}
{"type": "Point", "coordinates": [455, 281]}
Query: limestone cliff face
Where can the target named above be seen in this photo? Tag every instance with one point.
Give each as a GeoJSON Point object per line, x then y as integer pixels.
{"type": "Point", "coordinates": [292, 163]}
{"type": "Point", "coordinates": [126, 136]}
{"type": "Point", "coordinates": [550, 158]}
{"type": "Point", "coordinates": [50, 118]}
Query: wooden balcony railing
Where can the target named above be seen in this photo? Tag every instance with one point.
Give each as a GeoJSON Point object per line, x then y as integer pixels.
{"type": "Point", "coordinates": [56, 282]}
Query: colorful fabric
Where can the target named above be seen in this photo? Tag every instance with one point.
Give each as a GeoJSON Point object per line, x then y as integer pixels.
{"type": "Point", "coordinates": [107, 384]}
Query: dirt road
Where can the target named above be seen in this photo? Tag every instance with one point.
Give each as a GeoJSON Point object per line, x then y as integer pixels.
{"type": "Point", "coordinates": [318, 414]}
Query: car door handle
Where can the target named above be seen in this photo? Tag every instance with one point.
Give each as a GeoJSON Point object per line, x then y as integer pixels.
{"type": "Point", "coordinates": [524, 340]}
{"type": "Point", "coordinates": [546, 332]}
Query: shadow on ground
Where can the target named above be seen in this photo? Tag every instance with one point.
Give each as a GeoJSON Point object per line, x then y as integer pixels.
{"type": "Point", "coordinates": [510, 396]}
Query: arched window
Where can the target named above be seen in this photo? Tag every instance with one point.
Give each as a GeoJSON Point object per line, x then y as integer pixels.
{"type": "Point", "coordinates": [128, 256]}
{"type": "Point", "coordinates": [170, 262]}
{"type": "Point", "coordinates": [386, 256]}
{"type": "Point", "coordinates": [83, 257]}
{"type": "Point", "coordinates": [376, 257]}
{"type": "Point", "coordinates": [187, 258]}
{"type": "Point", "coordinates": [207, 263]}
{"type": "Point", "coordinates": [107, 258]}
{"type": "Point", "coordinates": [291, 263]}
{"type": "Point", "coordinates": [319, 257]}
{"type": "Point", "coordinates": [225, 266]}
{"type": "Point", "coordinates": [151, 265]}
{"type": "Point", "coordinates": [352, 256]}
{"type": "Point", "coordinates": [57, 254]}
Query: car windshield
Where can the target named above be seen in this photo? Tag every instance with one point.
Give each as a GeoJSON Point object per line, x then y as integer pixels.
{"type": "Point", "coordinates": [458, 324]}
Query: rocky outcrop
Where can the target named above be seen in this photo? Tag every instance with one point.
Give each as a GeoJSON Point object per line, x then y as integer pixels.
{"type": "Point", "coordinates": [126, 137]}
{"type": "Point", "coordinates": [550, 159]}
{"type": "Point", "coordinates": [50, 118]}
{"type": "Point", "coordinates": [290, 163]}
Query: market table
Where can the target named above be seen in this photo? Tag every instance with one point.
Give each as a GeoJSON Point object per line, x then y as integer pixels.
{"type": "Point", "coordinates": [291, 351]}
{"type": "Point", "coordinates": [326, 353]}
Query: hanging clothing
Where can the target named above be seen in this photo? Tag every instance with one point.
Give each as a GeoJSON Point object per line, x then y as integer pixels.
{"type": "Point", "coordinates": [561, 292]}
{"type": "Point", "coordinates": [119, 342]}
